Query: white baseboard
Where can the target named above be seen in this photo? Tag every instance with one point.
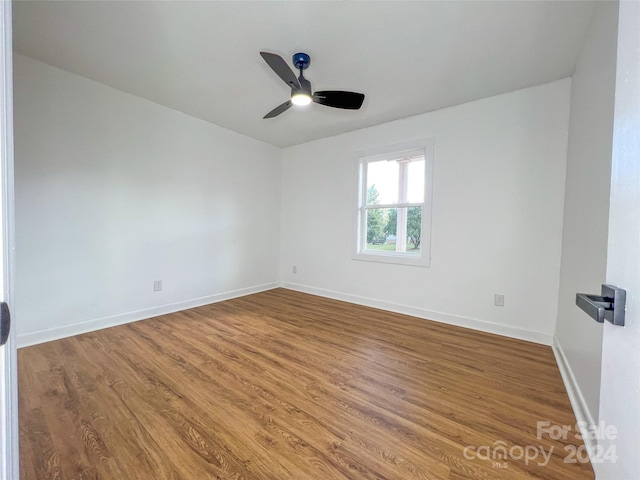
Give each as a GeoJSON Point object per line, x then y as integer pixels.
{"type": "Point", "coordinates": [441, 317]}
{"type": "Point", "coordinates": [578, 403]}
{"type": "Point", "coordinates": [47, 335]}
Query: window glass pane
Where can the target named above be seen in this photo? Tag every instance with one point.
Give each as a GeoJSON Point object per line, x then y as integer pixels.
{"type": "Point", "coordinates": [377, 219]}
{"type": "Point", "coordinates": [382, 182]}
{"type": "Point", "coordinates": [394, 230]}
{"type": "Point", "coordinates": [415, 183]}
{"type": "Point", "coordinates": [402, 230]}
{"type": "Point", "coordinates": [391, 230]}
{"type": "Point", "coordinates": [414, 230]}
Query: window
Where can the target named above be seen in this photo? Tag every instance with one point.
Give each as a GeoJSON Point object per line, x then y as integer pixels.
{"type": "Point", "coordinates": [394, 204]}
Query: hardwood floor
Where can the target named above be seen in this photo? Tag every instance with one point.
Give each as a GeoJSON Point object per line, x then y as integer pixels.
{"type": "Point", "coordinates": [284, 385]}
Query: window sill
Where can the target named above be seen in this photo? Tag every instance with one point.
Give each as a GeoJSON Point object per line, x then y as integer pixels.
{"type": "Point", "coordinates": [411, 260]}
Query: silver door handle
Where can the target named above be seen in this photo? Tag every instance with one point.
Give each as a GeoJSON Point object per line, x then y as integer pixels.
{"type": "Point", "coordinates": [609, 306]}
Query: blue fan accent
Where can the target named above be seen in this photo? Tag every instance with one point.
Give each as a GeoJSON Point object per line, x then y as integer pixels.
{"type": "Point", "coordinates": [301, 61]}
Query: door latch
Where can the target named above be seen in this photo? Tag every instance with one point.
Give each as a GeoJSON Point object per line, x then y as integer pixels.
{"type": "Point", "coordinates": [608, 306]}
{"type": "Point", "coordinates": [5, 323]}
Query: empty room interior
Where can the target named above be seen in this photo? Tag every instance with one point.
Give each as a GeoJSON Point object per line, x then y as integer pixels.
{"type": "Point", "coordinates": [375, 279]}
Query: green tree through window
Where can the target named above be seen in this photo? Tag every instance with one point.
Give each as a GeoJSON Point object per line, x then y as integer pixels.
{"type": "Point", "coordinates": [375, 216]}
{"type": "Point", "coordinates": [414, 224]}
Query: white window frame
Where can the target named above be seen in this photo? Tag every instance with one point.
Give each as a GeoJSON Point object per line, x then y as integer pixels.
{"type": "Point", "coordinates": [362, 158]}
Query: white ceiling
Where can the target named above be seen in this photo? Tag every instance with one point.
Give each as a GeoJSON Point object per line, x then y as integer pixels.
{"type": "Point", "coordinates": [202, 58]}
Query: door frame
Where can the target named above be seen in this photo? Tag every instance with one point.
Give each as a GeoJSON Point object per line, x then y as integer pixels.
{"type": "Point", "coordinates": [9, 440]}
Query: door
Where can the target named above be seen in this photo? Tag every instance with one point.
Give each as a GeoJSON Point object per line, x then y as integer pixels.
{"type": "Point", "coordinates": [619, 433]}
{"type": "Point", "coordinates": [8, 372]}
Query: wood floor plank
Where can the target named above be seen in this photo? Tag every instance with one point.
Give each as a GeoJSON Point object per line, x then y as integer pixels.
{"type": "Point", "coordinates": [285, 385]}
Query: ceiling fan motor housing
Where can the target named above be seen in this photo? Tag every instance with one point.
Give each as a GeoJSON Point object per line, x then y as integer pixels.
{"type": "Point", "coordinates": [304, 85]}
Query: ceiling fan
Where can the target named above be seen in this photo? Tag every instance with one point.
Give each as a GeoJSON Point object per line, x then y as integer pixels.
{"type": "Point", "coordinates": [301, 87]}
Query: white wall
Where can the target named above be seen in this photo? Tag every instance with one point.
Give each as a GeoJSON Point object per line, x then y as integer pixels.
{"type": "Point", "coordinates": [114, 192]}
{"type": "Point", "coordinates": [586, 209]}
{"type": "Point", "coordinates": [497, 215]}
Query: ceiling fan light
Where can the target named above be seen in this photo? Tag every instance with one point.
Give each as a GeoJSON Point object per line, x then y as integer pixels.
{"type": "Point", "coordinates": [301, 98]}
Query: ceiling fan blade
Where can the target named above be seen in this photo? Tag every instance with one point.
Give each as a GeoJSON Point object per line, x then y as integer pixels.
{"type": "Point", "coordinates": [281, 68]}
{"type": "Point", "coordinates": [279, 109]}
{"type": "Point", "coordinates": [339, 99]}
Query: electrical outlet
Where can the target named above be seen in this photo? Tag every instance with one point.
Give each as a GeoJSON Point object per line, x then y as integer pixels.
{"type": "Point", "coordinates": [498, 300]}
{"type": "Point", "coordinates": [157, 285]}
{"type": "Point", "coordinates": [295, 269]}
